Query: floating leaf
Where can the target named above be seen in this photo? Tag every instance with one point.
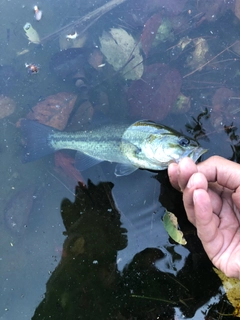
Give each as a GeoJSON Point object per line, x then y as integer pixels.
{"type": "Point", "coordinates": [122, 52]}
{"type": "Point", "coordinates": [232, 289]}
{"type": "Point", "coordinates": [171, 226]}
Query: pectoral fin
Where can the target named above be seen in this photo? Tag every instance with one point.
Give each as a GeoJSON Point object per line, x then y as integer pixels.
{"type": "Point", "coordinates": [124, 169]}
{"type": "Point", "coordinates": [84, 162]}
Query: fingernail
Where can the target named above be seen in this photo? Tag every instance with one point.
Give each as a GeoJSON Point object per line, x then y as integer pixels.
{"type": "Point", "coordinates": [194, 196]}
{"type": "Point", "coordinates": [178, 171]}
{"type": "Point", "coordinates": [190, 183]}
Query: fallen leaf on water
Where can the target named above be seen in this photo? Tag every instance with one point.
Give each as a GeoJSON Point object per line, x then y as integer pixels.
{"type": "Point", "coordinates": [171, 226]}
{"type": "Point", "coordinates": [232, 289]}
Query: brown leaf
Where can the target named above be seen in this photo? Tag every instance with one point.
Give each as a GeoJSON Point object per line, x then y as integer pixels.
{"type": "Point", "coordinates": [149, 32]}
{"type": "Point", "coordinates": [54, 111]}
{"type": "Point", "coordinates": [153, 96]}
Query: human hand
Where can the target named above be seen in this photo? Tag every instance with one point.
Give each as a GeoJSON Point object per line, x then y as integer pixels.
{"type": "Point", "coordinates": [211, 196]}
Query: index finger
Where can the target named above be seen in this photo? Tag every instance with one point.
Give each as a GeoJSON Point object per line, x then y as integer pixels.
{"type": "Point", "coordinates": [225, 172]}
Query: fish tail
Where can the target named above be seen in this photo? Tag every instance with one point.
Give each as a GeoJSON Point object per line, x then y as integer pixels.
{"type": "Point", "coordinates": [36, 140]}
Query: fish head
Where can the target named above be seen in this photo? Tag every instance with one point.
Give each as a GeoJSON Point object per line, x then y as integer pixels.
{"type": "Point", "coordinates": [153, 146]}
{"type": "Point", "coordinates": [172, 147]}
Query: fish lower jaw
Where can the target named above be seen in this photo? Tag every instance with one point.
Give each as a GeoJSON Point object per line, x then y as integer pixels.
{"type": "Point", "coordinates": [197, 153]}
{"type": "Point", "coordinates": [154, 165]}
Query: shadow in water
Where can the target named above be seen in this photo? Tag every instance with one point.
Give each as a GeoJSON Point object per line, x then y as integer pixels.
{"type": "Point", "coordinates": [87, 283]}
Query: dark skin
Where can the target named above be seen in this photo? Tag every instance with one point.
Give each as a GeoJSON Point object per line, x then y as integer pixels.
{"type": "Point", "coordinates": [211, 196]}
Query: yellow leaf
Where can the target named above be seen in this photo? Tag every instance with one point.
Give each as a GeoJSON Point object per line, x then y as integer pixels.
{"type": "Point", "coordinates": [232, 289]}
{"type": "Point", "coordinates": [171, 226]}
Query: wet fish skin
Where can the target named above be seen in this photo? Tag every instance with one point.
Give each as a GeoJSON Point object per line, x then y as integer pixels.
{"type": "Point", "coordinates": [157, 145]}
{"type": "Point", "coordinates": [143, 144]}
{"type": "Point", "coordinates": [102, 143]}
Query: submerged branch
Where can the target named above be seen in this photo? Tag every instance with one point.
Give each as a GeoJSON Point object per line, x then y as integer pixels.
{"type": "Point", "coordinates": [89, 18]}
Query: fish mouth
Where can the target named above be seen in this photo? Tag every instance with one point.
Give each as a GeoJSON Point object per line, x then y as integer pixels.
{"type": "Point", "coordinates": [196, 153]}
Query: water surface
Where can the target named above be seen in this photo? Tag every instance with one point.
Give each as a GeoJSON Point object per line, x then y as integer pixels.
{"type": "Point", "coordinates": [102, 252]}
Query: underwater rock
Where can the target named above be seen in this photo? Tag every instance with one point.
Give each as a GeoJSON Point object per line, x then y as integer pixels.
{"type": "Point", "coordinates": [55, 110]}
{"type": "Point", "coordinates": [18, 209]}
{"type": "Point", "coordinates": [101, 102]}
{"type": "Point", "coordinates": [80, 81]}
{"type": "Point", "coordinates": [67, 63]}
{"type": "Point", "coordinates": [95, 59]}
{"type": "Point", "coordinates": [7, 106]}
{"type": "Point", "coordinates": [153, 96]}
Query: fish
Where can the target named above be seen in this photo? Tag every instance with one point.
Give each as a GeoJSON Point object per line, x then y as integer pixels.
{"type": "Point", "coordinates": [37, 13]}
{"type": "Point", "coordinates": [31, 33]}
{"type": "Point", "coordinates": [143, 144]}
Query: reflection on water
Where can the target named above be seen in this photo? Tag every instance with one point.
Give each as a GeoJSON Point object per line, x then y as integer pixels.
{"type": "Point", "coordinates": [87, 282]}
{"type": "Point", "coordinates": [101, 251]}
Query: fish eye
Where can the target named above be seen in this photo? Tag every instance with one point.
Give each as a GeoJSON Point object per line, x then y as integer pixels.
{"type": "Point", "coordinates": [27, 26]}
{"type": "Point", "coordinates": [184, 142]}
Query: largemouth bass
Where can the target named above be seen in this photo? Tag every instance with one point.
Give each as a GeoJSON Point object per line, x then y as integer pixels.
{"type": "Point", "coordinates": [144, 144]}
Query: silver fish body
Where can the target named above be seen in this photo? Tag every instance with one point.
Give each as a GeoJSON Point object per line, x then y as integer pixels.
{"type": "Point", "coordinates": [144, 144]}
{"type": "Point", "coordinates": [102, 143]}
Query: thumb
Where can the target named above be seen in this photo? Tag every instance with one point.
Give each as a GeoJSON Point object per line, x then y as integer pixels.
{"type": "Point", "coordinates": [236, 198]}
{"type": "Point", "coordinates": [206, 221]}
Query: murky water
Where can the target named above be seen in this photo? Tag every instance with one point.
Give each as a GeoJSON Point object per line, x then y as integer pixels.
{"type": "Point", "coordinates": [102, 251]}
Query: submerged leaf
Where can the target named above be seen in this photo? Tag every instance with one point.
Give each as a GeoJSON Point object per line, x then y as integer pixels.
{"type": "Point", "coordinates": [122, 52]}
{"type": "Point", "coordinates": [199, 57]}
{"type": "Point", "coordinates": [149, 32]}
{"type": "Point", "coordinates": [153, 96]}
{"type": "Point", "coordinates": [171, 226]}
